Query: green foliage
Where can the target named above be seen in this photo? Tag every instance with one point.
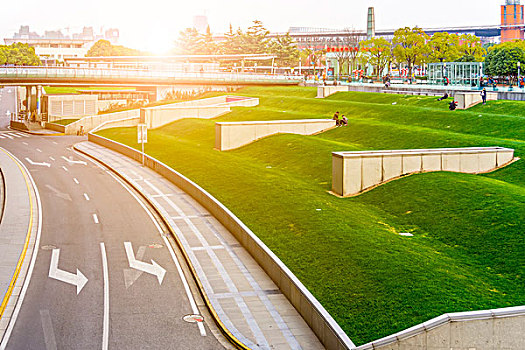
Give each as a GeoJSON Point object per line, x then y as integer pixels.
{"type": "Point", "coordinates": [467, 249]}
{"type": "Point", "coordinates": [443, 47]}
{"type": "Point", "coordinates": [105, 48]}
{"type": "Point", "coordinates": [190, 42]}
{"type": "Point", "coordinates": [502, 59]}
{"type": "Point", "coordinates": [471, 49]}
{"type": "Point", "coordinates": [410, 46]}
{"type": "Point", "coordinates": [285, 49]}
{"type": "Point", "coordinates": [19, 54]}
{"type": "Point", "coordinates": [378, 52]}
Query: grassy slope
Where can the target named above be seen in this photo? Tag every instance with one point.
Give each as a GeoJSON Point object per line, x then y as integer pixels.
{"type": "Point", "coordinates": [65, 121]}
{"type": "Point", "coordinates": [467, 252]}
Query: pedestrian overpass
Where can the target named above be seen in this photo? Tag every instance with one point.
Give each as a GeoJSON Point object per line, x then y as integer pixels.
{"type": "Point", "coordinates": [24, 76]}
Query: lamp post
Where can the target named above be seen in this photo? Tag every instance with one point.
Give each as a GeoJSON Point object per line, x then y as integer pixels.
{"type": "Point", "coordinates": [519, 66]}
{"type": "Point", "coordinates": [444, 73]}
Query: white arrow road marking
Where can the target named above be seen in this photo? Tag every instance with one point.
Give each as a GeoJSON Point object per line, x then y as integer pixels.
{"type": "Point", "coordinates": [153, 268]}
{"type": "Point", "coordinates": [58, 193]}
{"type": "Point", "coordinates": [35, 163]}
{"type": "Point", "coordinates": [78, 280]}
{"type": "Point", "coordinates": [71, 161]}
{"type": "Point", "coordinates": [131, 275]}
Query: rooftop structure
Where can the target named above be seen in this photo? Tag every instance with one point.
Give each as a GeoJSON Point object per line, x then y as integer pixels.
{"type": "Point", "coordinates": [512, 23]}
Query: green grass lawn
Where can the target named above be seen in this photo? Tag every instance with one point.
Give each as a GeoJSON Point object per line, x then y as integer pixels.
{"type": "Point", "coordinates": [468, 248]}
{"type": "Point", "coordinates": [65, 121]}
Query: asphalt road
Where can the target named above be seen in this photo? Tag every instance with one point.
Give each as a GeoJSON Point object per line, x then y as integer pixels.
{"type": "Point", "coordinates": [87, 214]}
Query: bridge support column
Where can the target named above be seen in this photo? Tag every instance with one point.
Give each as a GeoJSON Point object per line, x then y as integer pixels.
{"type": "Point", "coordinates": [38, 101]}
{"type": "Point", "coordinates": [28, 101]}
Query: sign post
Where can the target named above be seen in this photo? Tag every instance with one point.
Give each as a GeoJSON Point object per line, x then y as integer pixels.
{"type": "Point", "coordinates": [142, 136]}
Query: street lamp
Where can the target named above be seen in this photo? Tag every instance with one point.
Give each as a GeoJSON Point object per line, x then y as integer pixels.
{"type": "Point", "coordinates": [519, 66]}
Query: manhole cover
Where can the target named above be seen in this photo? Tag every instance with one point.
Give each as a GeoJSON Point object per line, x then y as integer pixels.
{"type": "Point", "coordinates": [193, 318]}
{"type": "Point", "coordinates": [155, 245]}
{"type": "Point", "coordinates": [48, 247]}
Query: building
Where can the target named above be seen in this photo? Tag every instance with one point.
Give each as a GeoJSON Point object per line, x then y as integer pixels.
{"type": "Point", "coordinates": [200, 23]}
{"type": "Point", "coordinates": [511, 21]}
{"type": "Point", "coordinates": [54, 46]}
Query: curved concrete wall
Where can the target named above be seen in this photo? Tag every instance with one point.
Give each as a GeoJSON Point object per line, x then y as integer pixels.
{"type": "Point", "coordinates": [489, 329]}
{"type": "Point", "coordinates": [231, 135]}
{"type": "Point", "coordinates": [355, 172]}
{"type": "Point", "coordinates": [466, 100]}
{"type": "Point", "coordinates": [325, 91]}
{"type": "Point", "coordinates": [319, 320]}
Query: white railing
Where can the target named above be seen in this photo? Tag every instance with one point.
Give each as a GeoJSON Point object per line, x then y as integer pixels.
{"type": "Point", "coordinates": [106, 73]}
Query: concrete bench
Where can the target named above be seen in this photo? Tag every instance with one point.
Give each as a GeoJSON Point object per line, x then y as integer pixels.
{"type": "Point", "coordinates": [356, 172]}
{"type": "Point", "coordinates": [231, 135]}
{"type": "Point", "coordinates": [466, 100]}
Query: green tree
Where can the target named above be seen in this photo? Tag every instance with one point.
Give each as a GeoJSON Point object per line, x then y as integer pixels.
{"type": "Point", "coordinates": [255, 40]}
{"type": "Point", "coordinates": [410, 46]}
{"type": "Point", "coordinates": [190, 42]}
{"type": "Point", "coordinates": [19, 54]}
{"type": "Point", "coordinates": [105, 48]}
{"type": "Point", "coordinates": [209, 47]}
{"type": "Point", "coordinates": [502, 60]}
{"type": "Point", "coordinates": [471, 49]}
{"type": "Point", "coordinates": [347, 51]}
{"type": "Point", "coordinates": [378, 53]}
{"type": "Point", "coordinates": [284, 47]}
{"type": "Point", "coordinates": [443, 47]}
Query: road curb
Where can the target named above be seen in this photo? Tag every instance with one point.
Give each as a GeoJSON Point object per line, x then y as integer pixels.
{"type": "Point", "coordinates": [231, 338]}
{"type": "Point", "coordinates": [38, 133]}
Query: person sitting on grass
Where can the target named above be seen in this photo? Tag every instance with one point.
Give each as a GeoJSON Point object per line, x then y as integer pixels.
{"type": "Point", "coordinates": [452, 105]}
{"type": "Point", "coordinates": [344, 121]}
{"type": "Point", "coordinates": [336, 118]}
{"type": "Point", "coordinates": [444, 97]}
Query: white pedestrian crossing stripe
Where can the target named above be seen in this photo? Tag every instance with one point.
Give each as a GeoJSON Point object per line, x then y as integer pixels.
{"type": "Point", "coordinates": [11, 135]}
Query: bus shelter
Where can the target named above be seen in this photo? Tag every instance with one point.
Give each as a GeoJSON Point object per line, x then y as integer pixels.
{"type": "Point", "coordinates": [458, 73]}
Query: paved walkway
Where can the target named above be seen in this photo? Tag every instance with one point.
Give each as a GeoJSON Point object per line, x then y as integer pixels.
{"type": "Point", "coordinates": [245, 298]}
{"type": "Point", "coordinates": [18, 221]}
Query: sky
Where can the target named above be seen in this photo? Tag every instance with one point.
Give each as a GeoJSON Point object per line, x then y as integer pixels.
{"type": "Point", "coordinates": [153, 25]}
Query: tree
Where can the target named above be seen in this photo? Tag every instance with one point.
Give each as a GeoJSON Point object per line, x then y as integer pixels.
{"type": "Point", "coordinates": [443, 47]}
{"type": "Point", "coordinates": [347, 51]}
{"type": "Point", "coordinates": [285, 49]}
{"type": "Point", "coordinates": [209, 46]}
{"type": "Point", "coordinates": [255, 40]}
{"type": "Point", "coordinates": [471, 49]}
{"type": "Point", "coordinates": [502, 59]}
{"type": "Point", "coordinates": [409, 46]}
{"type": "Point", "coordinates": [189, 42]}
{"type": "Point", "coordinates": [19, 54]}
{"type": "Point", "coordinates": [105, 48]}
{"type": "Point", "coordinates": [378, 53]}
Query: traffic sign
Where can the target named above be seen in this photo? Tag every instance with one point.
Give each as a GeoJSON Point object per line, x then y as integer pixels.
{"type": "Point", "coordinates": [142, 133]}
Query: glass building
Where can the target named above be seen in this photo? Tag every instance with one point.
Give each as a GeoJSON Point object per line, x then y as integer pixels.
{"type": "Point", "coordinates": [458, 73]}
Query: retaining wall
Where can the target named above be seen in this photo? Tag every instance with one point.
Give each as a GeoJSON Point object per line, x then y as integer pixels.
{"type": "Point", "coordinates": [325, 91]}
{"type": "Point", "coordinates": [231, 135]}
{"type": "Point", "coordinates": [119, 123]}
{"type": "Point", "coordinates": [466, 100]}
{"type": "Point", "coordinates": [18, 125]}
{"type": "Point", "coordinates": [355, 172]}
{"type": "Point", "coordinates": [319, 320]}
{"type": "Point", "coordinates": [477, 330]}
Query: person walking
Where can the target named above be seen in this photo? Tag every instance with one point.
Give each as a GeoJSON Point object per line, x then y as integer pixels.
{"type": "Point", "coordinates": [484, 95]}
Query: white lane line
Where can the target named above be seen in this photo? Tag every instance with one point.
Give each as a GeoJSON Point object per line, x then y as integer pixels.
{"type": "Point", "coordinates": [8, 136]}
{"type": "Point", "coordinates": [63, 167]}
{"type": "Point", "coordinates": [21, 134]}
{"type": "Point", "coordinates": [55, 142]}
{"type": "Point", "coordinates": [47, 327]}
{"type": "Point", "coordinates": [39, 150]}
{"type": "Point", "coordinates": [86, 196]}
{"type": "Point", "coordinates": [22, 295]}
{"type": "Point", "coordinates": [25, 143]}
{"type": "Point", "coordinates": [193, 304]}
{"type": "Point", "coordinates": [76, 181]}
{"type": "Point", "coordinates": [95, 218]}
{"type": "Point", "coordinates": [52, 158]}
{"type": "Point", "coordinates": [15, 135]}
{"type": "Point", "coordinates": [105, 329]}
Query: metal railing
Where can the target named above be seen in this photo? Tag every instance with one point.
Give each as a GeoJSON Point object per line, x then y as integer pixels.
{"type": "Point", "coordinates": [140, 74]}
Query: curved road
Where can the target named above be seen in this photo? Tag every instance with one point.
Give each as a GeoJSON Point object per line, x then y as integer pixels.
{"type": "Point", "coordinates": [93, 223]}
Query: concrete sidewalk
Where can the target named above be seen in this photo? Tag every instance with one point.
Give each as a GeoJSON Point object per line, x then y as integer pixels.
{"type": "Point", "coordinates": [246, 300]}
{"type": "Point", "coordinates": [18, 231]}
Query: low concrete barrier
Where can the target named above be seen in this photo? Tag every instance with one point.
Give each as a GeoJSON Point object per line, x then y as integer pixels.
{"type": "Point", "coordinates": [319, 320]}
{"type": "Point", "coordinates": [355, 172]}
{"type": "Point", "coordinates": [231, 135]}
{"type": "Point", "coordinates": [207, 108]}
{"type": "Point", "coordinates": [55, 127]}
{"type": "Point", "coordinates": [325, 91]}
{"type": "Point", "coordinates": [18, 125]}
{"type": "Point", "coordinates": [466, 100]}
{"type": "Point", "coordinates": [488, 329]}
{"type": "Point", "coordinates": [119, 123]}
